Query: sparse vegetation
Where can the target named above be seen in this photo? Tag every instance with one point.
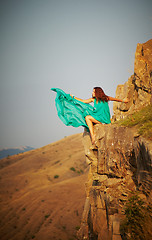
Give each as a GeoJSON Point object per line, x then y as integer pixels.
{"type": "Point", "coordinates": [142, 120]}
{"type": "Point", "coordinates": [77, 228]}
{"type": "Point", "coordinates": [56, 176]}
{"type": "Point", "coordinates": [57, 162]}
{"type": "Point", "coordinates": [138, 218]}
{"type": "Point", "coordinates": [31, 187]}
{"type": "Point", "coordinates": [46, 216]}
{"type": "Point", "coordinates": [72, 169]}
{"type": "Point", "coordinates": [77, 212]}
{"type": "Point", "coordinates": [80, 171]}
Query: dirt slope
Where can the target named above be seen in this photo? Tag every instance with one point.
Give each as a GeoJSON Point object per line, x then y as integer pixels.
{"type": "Point", "coordinates": [42, 192]}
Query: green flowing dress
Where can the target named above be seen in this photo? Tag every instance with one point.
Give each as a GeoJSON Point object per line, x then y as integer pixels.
{"type": "Point", "coordinates": [73, 112]}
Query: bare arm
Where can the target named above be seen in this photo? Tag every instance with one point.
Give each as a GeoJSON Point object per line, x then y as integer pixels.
{"type": "Point", "coordinates": [118, 100]}
{"type": "Point", "coordinates": [85, 100]}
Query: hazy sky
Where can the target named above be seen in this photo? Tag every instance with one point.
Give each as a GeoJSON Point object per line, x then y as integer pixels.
{"type": "Point", "coordinates": [74, 45]}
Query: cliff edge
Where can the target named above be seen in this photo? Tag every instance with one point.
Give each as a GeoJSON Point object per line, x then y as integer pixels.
{"type": "Point", "coordinates": [120, 162]}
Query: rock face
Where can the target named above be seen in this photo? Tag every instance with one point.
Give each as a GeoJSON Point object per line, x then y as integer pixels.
{"type": "Point", "coordinates": [120, 162]}
{"type": "Point", "coordinates": [138, 88]}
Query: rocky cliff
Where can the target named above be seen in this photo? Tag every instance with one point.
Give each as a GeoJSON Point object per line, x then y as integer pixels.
{"type": "Point", "coordinates": [138, 88]}
{"type": "Point", "coordinates": [120, 163]}
{"type": "Point", "coordinates": [121, 160]}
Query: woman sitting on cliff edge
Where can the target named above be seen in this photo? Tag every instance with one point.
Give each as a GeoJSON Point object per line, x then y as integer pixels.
{"type": "Point", "coordinates": [78, 112]}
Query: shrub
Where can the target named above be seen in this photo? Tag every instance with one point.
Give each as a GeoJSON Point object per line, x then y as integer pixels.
{"type": "Point", "coordinates": [77, 228]}
{"type": "Point", "coordinates": [137, 218]}
{"type": "Point", "coordinates": [56, 176]}
{"type": "Point", "coordinates": [72, 169]}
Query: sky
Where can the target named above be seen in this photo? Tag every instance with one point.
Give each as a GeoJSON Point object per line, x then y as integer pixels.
{"type": "Point", "coordinates": [74, 45]}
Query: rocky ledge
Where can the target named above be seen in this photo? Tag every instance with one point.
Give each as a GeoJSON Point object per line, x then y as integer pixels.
{"type": "Point", "coordinates": [120, 162]}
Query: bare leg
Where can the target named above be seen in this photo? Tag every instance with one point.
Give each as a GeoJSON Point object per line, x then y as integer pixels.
{"type": "Point", "coordinates": [90, 120]}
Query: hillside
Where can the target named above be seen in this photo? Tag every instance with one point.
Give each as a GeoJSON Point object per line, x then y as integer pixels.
{"type": "Point", "coordinates": [42, 192]}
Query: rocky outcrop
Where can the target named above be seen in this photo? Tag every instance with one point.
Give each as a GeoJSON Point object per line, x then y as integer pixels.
{"type": "Point", "coordinates": [120, 162]}
{"type": "Point", "coordinates": [138, 88]}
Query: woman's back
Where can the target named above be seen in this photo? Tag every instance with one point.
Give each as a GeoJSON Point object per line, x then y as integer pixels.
{"type": "Point", "coordinates": [101, 111]}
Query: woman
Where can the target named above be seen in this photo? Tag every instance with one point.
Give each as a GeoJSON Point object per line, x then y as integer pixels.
{"type": "Point", "coordinates": [78, 112]}
{"type": "Point", "coordinates": [101, 113]}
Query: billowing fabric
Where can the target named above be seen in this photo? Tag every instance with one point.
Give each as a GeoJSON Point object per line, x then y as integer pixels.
{"type": "Point", "coordinates": [73, 112]}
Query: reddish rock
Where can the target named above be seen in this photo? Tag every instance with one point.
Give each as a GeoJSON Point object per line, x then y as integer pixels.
{"type": "Point", "coordinates": [120, 162]}
{"type": "Point", "coordinates": [138, 88]}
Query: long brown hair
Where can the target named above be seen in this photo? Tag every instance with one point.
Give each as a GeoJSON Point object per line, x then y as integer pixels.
{"type": "Point", "coordinates": [100, 95]}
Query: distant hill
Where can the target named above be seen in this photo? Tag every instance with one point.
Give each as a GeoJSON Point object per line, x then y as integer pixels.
{"type": "Point", "coordinates": [12, 151]}
{"type": "Point", "coordinates": [42, 192]}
